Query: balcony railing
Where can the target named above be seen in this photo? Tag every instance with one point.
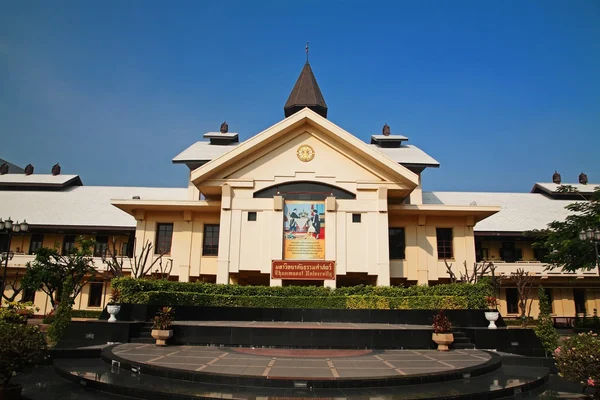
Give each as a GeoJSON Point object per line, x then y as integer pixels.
{"type": "Point", "coordinates": [20, 260]}
{"type": "Point", "coordinates": [537, 268]}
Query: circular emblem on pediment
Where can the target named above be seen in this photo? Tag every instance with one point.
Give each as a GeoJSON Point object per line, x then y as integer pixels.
{"type": "Point", "coordinates": [305, 153]}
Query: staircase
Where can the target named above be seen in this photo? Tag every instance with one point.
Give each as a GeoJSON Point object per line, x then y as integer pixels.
{"type": "Point", "coordinates": [461, 341]}
{"type": "Point", "coordinates": [144, 335]}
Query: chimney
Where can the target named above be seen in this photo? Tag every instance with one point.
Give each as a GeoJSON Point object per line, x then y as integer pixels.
{"type": "Point", "coordinates": [556, 178]}
{"type": "Point", "coordinates": [4, 169]}
{"type": "Point", "coordinates": [386, 131]}
{"type": "Point", "coordinates": [56, 169]}
{"type": "Point", "coordinates": [583, 179]}
{"type": "Point", "coordinates": [29, 169]}
{"type": "Point", "coordinates": [224, 127]}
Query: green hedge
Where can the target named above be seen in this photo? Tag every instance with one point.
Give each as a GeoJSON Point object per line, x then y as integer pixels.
{"type": "Point", "coordinates": [338, 302]}
{"type": "Point", "coordinates": [461, 295]}
{"type": "Point", "coordinates": [86, 314]}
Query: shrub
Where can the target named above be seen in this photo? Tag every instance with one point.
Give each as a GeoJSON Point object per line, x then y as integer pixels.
{"type": "Point", "coordinates": [62, 318]}
{"type": "Point", "coordinates": [441, 323]}
{"type": "Point", "coordinates": [544, 329]}
{"type": "Point", "coordinates": [85, 314]}
{"type": "Point", "coordinates": [163, 319]}
{"type": "Point", "coordinates": [463, 295]}
{"type": "Point", "coordinates": [335, 302]}
{"type": "Point", "coordinates": [17, 313]}
{"type": "Point", "coordinates": [578, 359]}
{"type": "Point", "coordinates": [22, 346]}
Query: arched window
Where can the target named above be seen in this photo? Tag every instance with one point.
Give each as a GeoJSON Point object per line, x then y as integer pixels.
{"type": "Point", "coordinates": [305, 190]}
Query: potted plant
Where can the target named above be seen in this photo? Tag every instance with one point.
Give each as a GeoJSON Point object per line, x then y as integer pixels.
{"type": "Point", "coordinates": [492, 314]}
{"type": "Point", "coordinates": [113, 306]}
{"type": "Point", "coordinates": [442, 331]}
{"type": "Point", "coordinates": [161, 328]}
{"type": "Point", "coordinates": [22, 346]}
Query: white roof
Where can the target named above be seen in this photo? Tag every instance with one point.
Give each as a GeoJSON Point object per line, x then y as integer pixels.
{"type": "Point", "coordinates": [389, 137]}
{"type": "Point", "coordinates": [203, 151]}
{"type": "Point", "coordinates": [36, 179]}
{"type": "Point", "coordinates": [407, 154]}
{"type": "Point", "coordinates": [80, 205]}
{"type": "Point", "coordinates": [520, 211]}
{"type": "Point", "coordinates": [578, 187]}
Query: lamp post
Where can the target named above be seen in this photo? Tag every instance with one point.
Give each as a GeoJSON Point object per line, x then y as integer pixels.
{"type": "Point", "coordinates": [8, 227]}
{"type": "Point", "coordinates": [593, 236]}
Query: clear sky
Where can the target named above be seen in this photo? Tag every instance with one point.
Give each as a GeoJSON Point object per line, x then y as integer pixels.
{"type": "Point", "coordinates": [500, 93]}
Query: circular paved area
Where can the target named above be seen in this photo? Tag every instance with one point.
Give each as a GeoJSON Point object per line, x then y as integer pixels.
{"type": "Point", "coordinates": [301, 363]}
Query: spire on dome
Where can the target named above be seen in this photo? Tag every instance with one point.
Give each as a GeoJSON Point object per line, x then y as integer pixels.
{"type": "Point", "coordinates": [306, 93]}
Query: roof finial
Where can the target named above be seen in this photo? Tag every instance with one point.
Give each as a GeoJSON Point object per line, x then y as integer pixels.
{"type": "Point", "coordinates": [307, 52]}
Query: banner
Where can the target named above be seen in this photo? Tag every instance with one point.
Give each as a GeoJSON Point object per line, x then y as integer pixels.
{"type": "Point", "coordinates": [304, 270]}
{"type": "Point", "coordinates": [304, 230]}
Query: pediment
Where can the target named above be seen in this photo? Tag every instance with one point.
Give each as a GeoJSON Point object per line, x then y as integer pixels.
{"type": "Point", "coordinates": [337, 156]}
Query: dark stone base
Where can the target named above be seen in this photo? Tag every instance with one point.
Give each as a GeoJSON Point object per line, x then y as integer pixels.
{"type": "Point", "coordinates": [458, 318]}
{"type": "Point", "coordinates": [92, 333]}
{"type": "Point", "coordinates": [517, 341]}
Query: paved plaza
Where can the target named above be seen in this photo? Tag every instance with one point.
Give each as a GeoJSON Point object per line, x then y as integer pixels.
{"type": "Point", "coordinates": [301, 364]}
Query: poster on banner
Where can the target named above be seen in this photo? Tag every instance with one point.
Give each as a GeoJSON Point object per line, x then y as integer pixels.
{"type": "Point", "coordinates": [304, 230]}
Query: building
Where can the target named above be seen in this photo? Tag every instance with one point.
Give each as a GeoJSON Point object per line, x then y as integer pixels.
{"type": "Point", "coordinates": [302, 202]}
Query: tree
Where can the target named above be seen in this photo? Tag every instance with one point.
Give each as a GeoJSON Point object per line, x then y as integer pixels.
{"type": "Point", "coordinates": [524, 283]}
{"type": "Point", "coordinates": [15, 285]}
{"type": "Point", "coordinates": [560, 240]}
{"type": "Point", "coordinates": [50, 270]}
{"type": "Point", "coordinates": [473, 276]}
{"type": "Point", "coordinates": [140, 266]}
{"type": "Point", "coordinates": [544, 329]}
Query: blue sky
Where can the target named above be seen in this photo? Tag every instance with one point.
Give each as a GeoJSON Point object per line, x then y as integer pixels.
{"type": "Point", "coordinates": [500, 93]}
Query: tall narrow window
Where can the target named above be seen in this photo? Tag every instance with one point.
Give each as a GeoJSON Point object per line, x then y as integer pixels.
{"type": "Point", "coordinates": [95, 294]}
{"type": "Point", "coordinates": [210, 245]}
{"type": "Point", "coordinates": [164, 238]}
{"type": "Point", "coordinates": [444, 243]}
{"type": "Point", "coordinates": [28, 295]}
{"type": "Point", "coordinates": [548, 292]}
{"type": "Point", "coordinates": [512, 301]}
{"type": "Point", "coordinates": [37, 240]}
{"type": "Point", "coordinates": [397, 243]}
{"type": "Point", "coordinates": [101, 246]}
{"type": "Point", "coordinates": [127, 249]}
{"type": "Point", "coordinates": [579, 298]}
{"type": "Point", "coordinates": [68, 244]}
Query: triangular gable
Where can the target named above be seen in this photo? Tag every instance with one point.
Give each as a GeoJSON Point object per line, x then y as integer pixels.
{"type": "Point", "coordinates": [306, 116]}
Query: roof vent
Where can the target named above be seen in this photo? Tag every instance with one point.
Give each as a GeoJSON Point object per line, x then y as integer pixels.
{"type": "Point", "coordinates": [556, 178]}
{"type": "Point", "coordinates": [136, 197]}
{"type": "Point", "coordinates": [4, 169]}
{"type": "Point", "coordinates": [386, 131]}
{"type": "Point", "coordinates": [29, 169]}
{"type": "Point", "coordinates": [583, 179]}
{"type": "Point", "coordinates": [56, 169]}
{"type": "Point", "coordinates": [224, 127]}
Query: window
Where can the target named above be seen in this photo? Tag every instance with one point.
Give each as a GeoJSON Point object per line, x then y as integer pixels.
{"type": "Point", "coordinates": [550, 299]}
{"type": "Point", "coordinates": [356, 218]}
{"type": "Point", "coordinates": [397, 243]}
{"type": "Point", "coordinates": [251, 215]}
{"type": "Point", "coordinates": [512, 301]}
{"type": "Point", "coordinates": [164, 237]}
{"type": "Point", "coordinates": [444, 243]}
{"type": "Point", "coordinates": [579, 297]}
{"type": "Point", "coordinates": [37, 240]}
{"type": "Point", "coordinates": [210, 245]}
{"type": "Point", "coordinates": [127, 249]}
{"type": "Point", "coordinates": [28, 295]}
{"type": "Point", "coordinates": [101, 246]}
{"type": "Point", "coordinates": [95, 294]}
{"type": "Point", "coordinates": [68, 244]}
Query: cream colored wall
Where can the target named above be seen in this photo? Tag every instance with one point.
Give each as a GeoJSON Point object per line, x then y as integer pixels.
{"type": "Point", "coordinates": [421, 263]}
{"type": "Point", "coordinates": [563, 304]}
{"type": "Point", "coordinates": [187, 240]}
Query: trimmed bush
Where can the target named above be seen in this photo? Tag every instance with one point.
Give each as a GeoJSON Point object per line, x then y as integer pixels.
{"type": "Point", "coordinates": [163, 292]}
{"type": "Point", "coordinates": [85, 314]}
{"type": "Point", "coordinates": [337, 302]}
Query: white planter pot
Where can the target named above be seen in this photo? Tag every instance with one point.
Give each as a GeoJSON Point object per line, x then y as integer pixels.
{"type": "Point", "coordinates": [161, 336]}
{"type": "Point", "coordinates": [492, 317]}
{"type": "Point", "coordinates": [113, 310]}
